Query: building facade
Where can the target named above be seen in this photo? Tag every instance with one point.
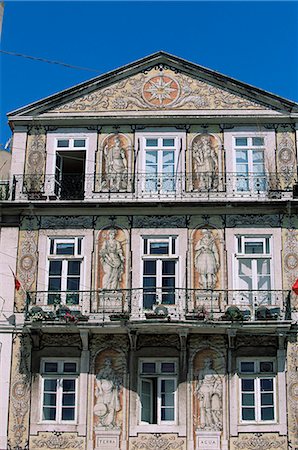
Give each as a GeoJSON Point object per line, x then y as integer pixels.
{"type": "Point", "coordinates": [151, 218]}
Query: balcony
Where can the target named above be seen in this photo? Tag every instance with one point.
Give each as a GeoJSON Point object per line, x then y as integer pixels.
{"type": "Point", "coordinates": [171, 305]}
{"type": "Point", "coordinates": [184, 187]}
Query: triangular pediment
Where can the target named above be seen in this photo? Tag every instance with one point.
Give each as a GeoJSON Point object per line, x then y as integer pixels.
{"type": "Point", "coordinates": [158, 90]}
{"type": "Point", "coordinates": [158, 83]}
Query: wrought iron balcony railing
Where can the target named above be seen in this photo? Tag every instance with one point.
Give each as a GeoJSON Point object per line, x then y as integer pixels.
{"type": "Point", "coordinates": [160, 303]}
{"type": "Point", "coordinates": [163, 186]}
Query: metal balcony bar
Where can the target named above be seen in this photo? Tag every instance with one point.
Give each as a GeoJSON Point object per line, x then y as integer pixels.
{"type": "Point", "coordinates": [179, 303]}
{"type": "Point", "coordinates": [152, 185]}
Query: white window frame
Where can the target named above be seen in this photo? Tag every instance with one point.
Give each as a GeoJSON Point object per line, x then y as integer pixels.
{"type": "Point", "coordinates": [160, 376]}
{"type": "Point", "coordinates": [159, 258]}
{"type": "Point", "coordinates": [77, 256]}
{"type": "Point", "coordinates": [71, 140]}
{"type": "Point", "coordinates": [60, 375]}
{"type": "Point", "coordinates": [253, 256]}
{"type": "Point", "coordinates": [257, 375]}
{"type": "Point", "coordinates": [179, 157]}
{"type": "Point", "coordinates": [249, 148]}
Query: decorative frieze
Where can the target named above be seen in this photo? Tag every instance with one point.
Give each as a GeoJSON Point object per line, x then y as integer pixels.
{"type": "Point", "coordinates": [286, 158]}
{"type": "Point", "coordinates": [157, 441]}
{"type": "Point", "coordinates": [18, 426]}
{"type": "Point", "coordinates": [160, 221]}
{"type": "Point", "coordinates": [35, 160]}
{"type": "Point", "coordinates": [66, 222]}
{"type": "Point", "coordinates": [259, 441]}
{"type": "Point", "coordinates": [292, 392]}
{"type": "Point", "coordinates": [290, 260]}
{"type": "Point", "coordinates": [26, 267]}
{"type": "Point", "coordinates": [158, 90]}
{"type": "Point", "coordinates": [60, 340]}
{"type": "Point", "coordinates": [57, 440]}
{"type": "Point", "coordinates": [167, 340]}
{"type": "Point", "coordinates": [256, 341]}
{"type": "Point", "coordinates": [243, 220]}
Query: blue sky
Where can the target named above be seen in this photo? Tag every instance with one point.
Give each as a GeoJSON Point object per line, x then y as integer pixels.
{"type": "Point", "coordinates": [255, 42]}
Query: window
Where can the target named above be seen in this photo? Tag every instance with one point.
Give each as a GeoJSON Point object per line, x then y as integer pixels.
{"type": "Point", "coordinates": [159, 270]}
{"type": "Point", "coordinates": [257, 390]}
{"type": "Point", "coordinates": [65, 263]}
{"type": "Point", "coordinates": [160, 163]}
{"type": "Point", "coordinates": [158, 385]}
{"type": "Point", "coordinates": [59, 390]}
{"type": "Point", "coordinates": [70, 168]}
{"type": "Point", "coordinates": [254, 267]}
{"type": "Point", "coordinates": [250, 163]}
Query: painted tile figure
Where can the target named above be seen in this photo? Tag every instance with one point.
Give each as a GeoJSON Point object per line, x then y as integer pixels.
{"type": "Point", "coordinates": [116, 165]}
{"type": "Point", "coordinates": [107, 395]}
{"type": "Point", "coordinates": [209, 392]}
{"type": "Point", "coordinates": [112, 259]}
{"type": "Point", "coordinates": [207, 260]}
{"type": "Point", "coordinates": [205, 163]}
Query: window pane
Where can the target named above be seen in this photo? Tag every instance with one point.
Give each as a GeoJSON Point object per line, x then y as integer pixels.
{"type": "Point", "coordinates": [247, 366]}
{"type": "Point", "coordinates": [248, 414]}
{"type": "Point", "coordinates": [54, 284]}
{"type": "Point", "coordinates": [65, 248]}
{"type": "Point", "coordinates": [159, 248]}
{"type": "Point", "coordinates": [69, 367]}
{"type": "Point", "coordinates": [266, 384]}
{"type": "Point", "coordinates": [63, 143]}
{"type": "Point", "coordinates": [168, 158]}
{"type": "Point", "coordinates": [266, 366]}
{"type": "Point", "coordinates": [168, 142]}
{"type": "Point", "coordinates": [241, 157]}
{"type": "Point", "coordinates": [257, 141]}
{"type": "Point", "coordinates": [146, 401]}
{"type": "Point", "coordinates": [167, 414]}
{"type": "Point", "coordinates": [168, 282]}
{"type": "Point", "coordinates": [241, 141]}
{"type": "Point", "coordinates": [149, 267]}
{"type": "Point", "coordinates": [151, 142]}
{"type": "Point", "coordinates": [50, 367]}
{"type": "Point", "coordinates": [49, 414]}
{"type": "Point", "coordinates": [50, 385]}
{"type": "Point", "coordinates": [55, 267]}
{"type": "Point", "coordinates": [168, 367]}
{"type": "Point", "coordinates": [267, 413]}
{"type": "Point", "coordinates": [266, 399]}
{"type": "Point", "coordinates": [49, 399]}
{"type": "Point", "coordinates": [248, 400]}
{"type": "Point", "coordinates": [68, 413]}
{"type": "Point", "coordinates": [79, 142]}
{"type": "Point", "coordinates": [68, 399]}
{"type": "Point", "coordinates": [149, 282]}
{"type": "Point", "coordinates": [148, 367]}
{"type": "Point", "coordinates": [168, 267]}
{"type": "Point", "coordinates": [73, 284]}
{"type": "Point", "coordinates": [247, 384]}
{"type": "Point", "coordinates": [69, 385]}
{"type": "Point", "coordinates": [253, 247]}
{"type": "Point", "coordinates": [73, 267]}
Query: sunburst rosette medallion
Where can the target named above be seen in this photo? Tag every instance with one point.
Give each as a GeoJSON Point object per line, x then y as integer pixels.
{"type": "Point", "coordinates": [161, 91]}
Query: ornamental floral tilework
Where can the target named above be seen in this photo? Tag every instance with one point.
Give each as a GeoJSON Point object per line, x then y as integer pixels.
{"type": "Point", "coordinates": [158, 90]}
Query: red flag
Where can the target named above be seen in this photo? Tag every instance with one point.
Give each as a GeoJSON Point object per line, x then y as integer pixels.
{"type": "Point", "coordinates": [295, 287]}
{"type": "Point", "coordinates": [17, 283]}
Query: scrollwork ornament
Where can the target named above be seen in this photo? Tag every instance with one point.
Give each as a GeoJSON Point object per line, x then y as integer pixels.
{"type": "Point", "coordinates": [60, 340]}
{"type": "Point", "coordinates": [259, 442]}
{"type": "Point", "coordinates": [158, 441]}
{"type": "Point", "coordinates": [159, 222]}
{"type": "Point", "coordinates": [253, 219]}
{"type": "Point", "coordinates": [57, 440]}
{"type": "Point", "coordinates": [66, 222]}
{"type": "Point", "coordinates": [158, 341]}
{"type": "Point", "coordinates": [99, 343]}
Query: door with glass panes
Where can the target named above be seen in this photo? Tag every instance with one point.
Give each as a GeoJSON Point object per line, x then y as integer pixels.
{"type": "Point", "coordinates": [254, 269]}
{"type": "Point", "coordinates": [160, 161]}
{"type": "Point", "coordinates": [250, 164]}
{"type": "Point", "coordinates": [159, 271]}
